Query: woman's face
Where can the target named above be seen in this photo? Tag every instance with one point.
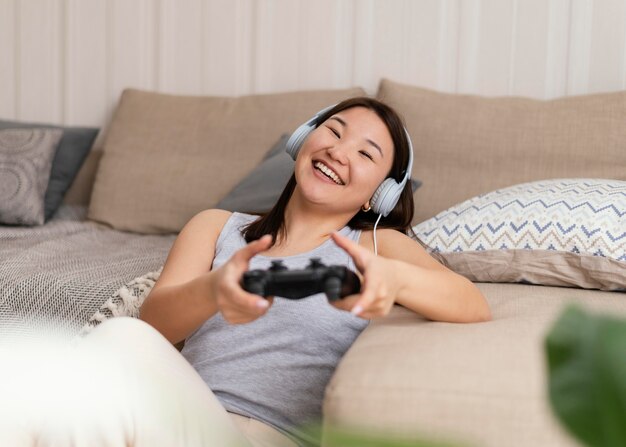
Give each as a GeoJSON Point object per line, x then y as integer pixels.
{"type": "Point", "coordinates": [345, 159]}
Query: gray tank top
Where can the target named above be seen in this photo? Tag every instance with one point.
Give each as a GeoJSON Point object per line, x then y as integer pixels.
{"type": "Point", "coordinates": [276, 368]}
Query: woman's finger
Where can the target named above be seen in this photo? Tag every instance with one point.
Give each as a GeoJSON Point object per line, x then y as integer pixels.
{"type": "Point", "coordinates": [356, 252]}
{"type": "Point", "coordinates": [242, 306]}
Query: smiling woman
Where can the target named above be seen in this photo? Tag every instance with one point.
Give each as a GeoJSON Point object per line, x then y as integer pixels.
{"type": "Point", "coordinates": [360, 140]}
{"type": "Point", "coordinates": [270, 358]}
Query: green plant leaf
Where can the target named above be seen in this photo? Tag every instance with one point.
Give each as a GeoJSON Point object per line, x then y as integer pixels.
{"type": "Point", "coordinates": [587, 376]}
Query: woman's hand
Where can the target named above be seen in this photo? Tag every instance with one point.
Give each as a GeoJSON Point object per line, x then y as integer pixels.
{"type": "Point", "coordinates": [236, 305]}
{"type": "Point", "coordinates": [379, 287]}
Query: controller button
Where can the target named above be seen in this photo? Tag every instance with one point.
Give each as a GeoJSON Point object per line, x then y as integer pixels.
{"type": "Point", "coordinates": [315, 263]}
{"type": "Point", "coordinates": [278, 266]}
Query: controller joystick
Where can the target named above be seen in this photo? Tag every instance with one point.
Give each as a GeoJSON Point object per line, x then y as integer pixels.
{"type": "Point", "coordinates": [336, 281]}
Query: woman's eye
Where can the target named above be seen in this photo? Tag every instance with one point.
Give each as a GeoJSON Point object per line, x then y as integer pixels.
{"type": "Point", "coordinates": [367, 154]}
{"type": "Point", "coordinates": [335, 132]}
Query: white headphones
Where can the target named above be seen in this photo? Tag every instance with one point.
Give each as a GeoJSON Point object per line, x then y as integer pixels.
{"type": "Point", "coordinates": [388, 192]}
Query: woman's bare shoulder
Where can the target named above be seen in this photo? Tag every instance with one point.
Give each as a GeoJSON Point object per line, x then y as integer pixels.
{"type": "Point", "coordinates": [212, 218]}
{"type": "Point", "coordinates": [193, 250]}
{"type": "Point", "coordinates": [384, 235]}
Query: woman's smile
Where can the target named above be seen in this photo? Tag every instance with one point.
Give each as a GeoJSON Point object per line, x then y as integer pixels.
{"type": "Point", "coordinates": [325, 173]}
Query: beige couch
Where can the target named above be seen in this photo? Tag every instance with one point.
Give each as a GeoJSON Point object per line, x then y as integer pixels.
{"type": "Point", "coordinates": [166, 157]}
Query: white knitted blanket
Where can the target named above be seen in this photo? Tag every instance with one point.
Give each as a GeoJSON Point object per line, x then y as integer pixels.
{"type": "Point", "coordinates": [125, 302]}
{"type": "Point", "coordinates": [59, 275]}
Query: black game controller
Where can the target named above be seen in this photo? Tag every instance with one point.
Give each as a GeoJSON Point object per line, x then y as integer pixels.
{"type": "Point", "coordinates": [335, 281]}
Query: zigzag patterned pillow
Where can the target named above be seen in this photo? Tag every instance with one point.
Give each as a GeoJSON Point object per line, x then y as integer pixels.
{"type": "Point", "coordinates": [562, 232]}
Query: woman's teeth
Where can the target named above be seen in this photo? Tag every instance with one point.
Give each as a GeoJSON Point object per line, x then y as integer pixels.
{"type": "Point", "coordinates": [328, 172]}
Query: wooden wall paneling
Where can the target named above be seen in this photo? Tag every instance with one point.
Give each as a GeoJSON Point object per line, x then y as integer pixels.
{"type": "Point", "coordinates": [228, 35]}
{"type": "Point", "coordinates": [181, 47]}
{"type": "Point", "coordinates": [277, 45]}
{"type": "Point", "coordinates": [530, 48]}
{"type": "Point", "coordinates": [131, 46]}
{"type": "Point", "coordinates": [40, 62]}
{"type": "Point", "coordinates": [389, 44]}
{"type": "Point", "coordinates": [469, 45]}
{"type": "Point", "coordinates": [581, 27]}
{"type": "Point", "coordinates": [9, 61]}
{"type": "Point", "coordinates": [557, 49]}
{"type": "Point", "coordinates": [363, 38]}
{"type": "Point", "coordinates": [343, 57]}
{"type": "Point", "coordinates": [430, 53]}
{"type": "Point", "coordinates": [448, 46]}
{"type": "Point", "coordinates": [607, 46]}
{"type": "Point", "coordinates": [325, 44]}
{"type": "Point", "coordinates": [86, 87]}
{"type": "Point", "coordinates": [67, 61]}
{"type": "Point", "coordinates": [496, 47]}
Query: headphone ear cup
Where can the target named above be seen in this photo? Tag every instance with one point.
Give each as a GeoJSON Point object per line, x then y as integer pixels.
{"type": "Point", "coordinates": [294, 143]}
{"type": "Point", "coordinates": [386, 196]}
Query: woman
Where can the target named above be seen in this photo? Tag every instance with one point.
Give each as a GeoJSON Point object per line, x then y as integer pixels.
{"type": "Point", "coordinates": [268, 360]}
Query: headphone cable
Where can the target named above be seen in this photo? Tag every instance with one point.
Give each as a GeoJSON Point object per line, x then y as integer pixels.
{"type": "Point", "coordinates": [375, 225]}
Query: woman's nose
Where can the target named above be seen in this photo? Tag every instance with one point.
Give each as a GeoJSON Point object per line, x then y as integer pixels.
{"type": "Point", "coordinates": [338, 153]}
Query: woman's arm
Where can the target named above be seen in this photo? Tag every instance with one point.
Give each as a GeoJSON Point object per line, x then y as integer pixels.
{"type": "Point", "coordinates": [406, 274]}
{"type": "Point", "coordinates": [181, 301]}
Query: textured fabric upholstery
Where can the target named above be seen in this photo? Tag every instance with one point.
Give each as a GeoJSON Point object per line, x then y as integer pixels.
{"type": "Point", "coordinates": [481, 384]}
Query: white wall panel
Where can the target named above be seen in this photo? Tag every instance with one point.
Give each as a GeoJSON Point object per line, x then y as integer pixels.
{"type": "Point", "coordinates": [40, 60]}
{"type": "Point", "coordinates": [181, 47]}
{"type": "Point", "coordinates": [342, 65]}
{"type": "Point", "coordinates": [557, 46]}
{"type": "Point", "coordinates": [325, 44]}
{"type": "Point", "coordinates": [496, 47]}
{"type": "Point", "coordinates": [608, 39]}
{"type": "Point", "coordinates": [448, 36]}
{"type": "Point", "coordinates": [8, 68]}
{"type": "Point", "coordinates": [363, 73]}
{"type": "Point", "coordinates": [277, 45]}
{"type": "Point", "coordinates": [581, 28]}
{"type": "Point", "coordinates": [469, 45]}
{"type": "Point", "coordinates": [405, 40]}
{"type": "Point", "coordinates": [131, 45]}
{"type": "Point", "coordinates": [67, 61]}
{"type": "Point", "coordinates": [530, 47]}
{"type": "Point", "coordinates": [228, 34]}
{"type": "Point", "coordinates": [85, 83]}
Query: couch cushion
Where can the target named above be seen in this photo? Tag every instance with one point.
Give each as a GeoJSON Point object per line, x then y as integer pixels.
{"type": "Point", "coordinates": [566, 232]}
{"type": "Point", "coordinates": [481, 384]}
{"type": "Point", "coordinates": [70, 155]}
{"type": "Point", "coordinates": [468, 145]}
{"type": "Point", "coordinates": [259, 190]}
{"type": "Point", "coordinates": [25, 163]}
{"type": "Point", "coordinates": [167, 157]}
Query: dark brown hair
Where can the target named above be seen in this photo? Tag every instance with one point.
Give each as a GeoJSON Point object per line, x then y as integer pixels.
{"type": "Point", "coordinates": [398, 219]}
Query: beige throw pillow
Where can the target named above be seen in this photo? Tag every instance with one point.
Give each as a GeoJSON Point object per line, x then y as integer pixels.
{"type": "Point", "coordinates": [167, 157]}
{"type": "Point", "coordinates": [468, 145]}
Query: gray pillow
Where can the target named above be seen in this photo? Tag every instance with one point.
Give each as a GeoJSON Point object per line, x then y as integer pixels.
{"type": "Point", "coordinates": [70, 155]}
{"type": "Point", "coordinates": [259, 190]}
{"type": "Point", "coordinates": [25, 164]}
